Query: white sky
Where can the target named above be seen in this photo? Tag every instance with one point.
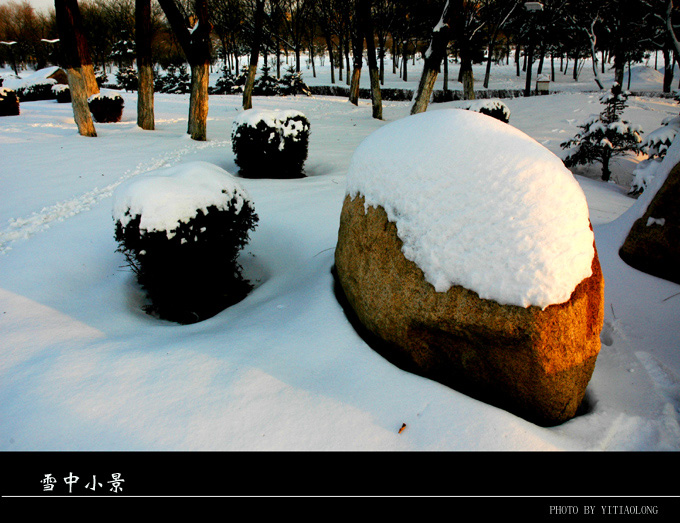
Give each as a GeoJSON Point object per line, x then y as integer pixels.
{"type": "Point", "coordinates": [40, 5]}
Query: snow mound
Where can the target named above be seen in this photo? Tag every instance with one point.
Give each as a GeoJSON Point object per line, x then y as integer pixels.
{"type": "Point", "coordinates": [478, 203]}
{"type": "Point", "coordinates": [41, 76]}
{"type": "Point", "coordinates": [166, 197]}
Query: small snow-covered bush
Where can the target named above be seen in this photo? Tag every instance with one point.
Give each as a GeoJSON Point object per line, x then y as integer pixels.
{"type": "Point", "coordinates": [40, 90]}
{"type": "Point", "coordinates": [175, 80]}
{"type": "Point", "coordinates": [292, 84]}
{"type": "Point", "coordinates": [229, 83]}
{"type": "Point", "coordinates": [270, 144]}
{"type": "Point", "coordinates": [655, 146]}
{"type": "Point", "coordinates": [643, 176]}
{"type": "Point", "coordinates": [62, 93]}
{"type": "Point", "coordinates": [9, 102]}
{"type": "Point", "coordinates": [604, 136]}
{"type": "Point", "coordinates": [126, 78]}
{"type": "Point", "coordinates": [181, 230]}
{"type": "Point", "coordinates": [659, 140]}
{"type": "Point", "coordinates": [490, 107]}
{"type": "Point", "coordinates": [106, 108]}
{"type": "Point", "coordinates": [266, 84]}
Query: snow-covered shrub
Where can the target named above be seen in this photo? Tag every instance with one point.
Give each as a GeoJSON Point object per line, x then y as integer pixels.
{"type": "Point", "coordinates": [62, 93]}
{"type": "Point", "coordinates": [175, 80]}
{"type": "Point", "coordinates": [181, 230]}
{"type": "Point", "coordinates": [659, 140]}
{"type": "Point", "coordinates": [9, 102]}
{"type": "Point", "coordinates": [270, 144]}
{"type": "Point", "coordinates": [655, 146]}
{"type": "Point", "coordinates": [490, 107]}
{"type": "Point", "coordinates": [40, 90]}
{"type": "Point", "coordinates": [604, 136]}
{"type": "Point", "coordinates": [643, 175]}
{"type": "Point", "coordinates": [292, 84]}
{"type": "Point", "coordinates": [126, 78]}
{"type": "Point", "coordinates": [229, 83]}
{"type": "Point", "coordinates": [100, 76]}
{"type": "Point", "coordinates": [266, 84]}
{"type": "Point", "coordinates": [106, 108]}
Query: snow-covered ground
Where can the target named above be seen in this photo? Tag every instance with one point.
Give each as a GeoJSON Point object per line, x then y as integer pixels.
{"type": "Point", "coordinates": [83, 368]}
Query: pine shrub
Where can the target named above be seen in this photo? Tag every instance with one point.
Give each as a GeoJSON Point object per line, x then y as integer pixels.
{"type": "Point", "coordinates": [229, 83]}
{"type": "Point", "coordinates": [292, 84]}
{"type": "Point", "coordinates": [654, 146]}
{"type": "Point", "coordinates": [189, 269]}
{"type": "Point", "coordinates": [62, 93]}
{"type": "Point", "coordinates": [41, 90]}
{"type": "Point", "coordinates": [604, 136]}
{"type": "Point", "coordinates": [494, 108]}
{"type": "Point", "coordinates": [106, 108]}
{"type": "Point", "coordinates": [100, 76]}
{"type": "Point", "coordinates": [175, 80]}
{"type": "Point", "coordinates": [126, 78]}
{"type": "Point", "coordinates": [266, 84]}
{"type": "Point", "coordinates": [9, 102]}
{"type": "Point", "coordinates": [270, 144]}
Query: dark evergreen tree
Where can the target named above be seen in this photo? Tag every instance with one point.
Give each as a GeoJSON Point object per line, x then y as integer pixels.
{"type": "Point", "coordinates": [604, 136]}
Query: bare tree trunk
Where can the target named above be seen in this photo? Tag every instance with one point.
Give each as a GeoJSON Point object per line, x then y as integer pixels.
{"type": "Point", "coordinates": [329, 45]}
{"type": "Point", "coordinates": [145, 108]}
{"type": "Point", "coordinates": [467, 73]}
{"type": "Point", "coordinates": [669, 28]}
{"type": "Point", "coordinates": [198, 102]}
{"type": "Point", "coordinates": [441, 35]}
{"type": "Point", "coordinates": [73, 45]}
{"type": "Point", "coordinates": [592, 37]}
{"type": "Point", "coordinates": [195, 43]}
{"type": "Point", "coordinates": [667, 70]}
{"type": "Point", "coordinates": [358, 51]}
{"type": "Point", "coordinates": [487, 72]}
{"type": "Point", "coordinates": [373, 71]}
{"type": "Point", "coordinates": [254, 56]}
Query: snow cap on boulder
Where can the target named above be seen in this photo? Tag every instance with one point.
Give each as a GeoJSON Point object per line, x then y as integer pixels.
{"type": "Point", "coordinates": [480, 204]}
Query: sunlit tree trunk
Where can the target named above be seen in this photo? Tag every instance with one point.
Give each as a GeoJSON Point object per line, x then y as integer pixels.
{"type": "Point", "coordinates": [433, 59]}
{"type": "Point", "coordinates": [145, 108]}
{"type": "Point", "coordinates": [254, 56]}
{"type": "Point", "coordinates": [358, 51]}
{"type": "Point", "coordinates": [75, 58]}
{"type": "Point", "coordinates": [367, 30]}
{"type": "Point", "coordinates": [195, 42]}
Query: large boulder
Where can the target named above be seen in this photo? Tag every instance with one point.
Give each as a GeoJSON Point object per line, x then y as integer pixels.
{"type": "Point", "coordinates": [653, 243]}
{"type": "Point", "coordinates": [478, 271]}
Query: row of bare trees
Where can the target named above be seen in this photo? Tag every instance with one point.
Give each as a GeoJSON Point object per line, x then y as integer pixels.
{"type": "Point", "coordinates": [345, 32]}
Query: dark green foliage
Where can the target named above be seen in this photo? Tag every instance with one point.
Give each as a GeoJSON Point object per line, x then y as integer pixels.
{"type": "Point", "coordinates": [229, 83]}
{"type": "Point", "coordinates": [496, 112]}
{"type": "Point", "coordinates": [63, 93]}
{"type": "Point", "coordinates": [106, 108]}
{"type": "Point", "coordinates": [100, 76]}
{"type": "Point", "coordinates": [272, 152]}
{"type": "Point", "coordinates": [175, 80]}
{"type": "Point", "coordinates": [605, 136]}
{"type": "Point", "coordinates": [494, 108]}
{"type": "Point", "coordinates": [292, 84]}
{"type": "Point", "coordinates": [126, 77]}
{"type": "Point", "coordinates": [266, 84]}
{"type": "Point", "coordinates": [194, 274]}
{"type": "Point", "coordinates": [36, 91]}
{"type": "Point", "coordinates": [9, 102]}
